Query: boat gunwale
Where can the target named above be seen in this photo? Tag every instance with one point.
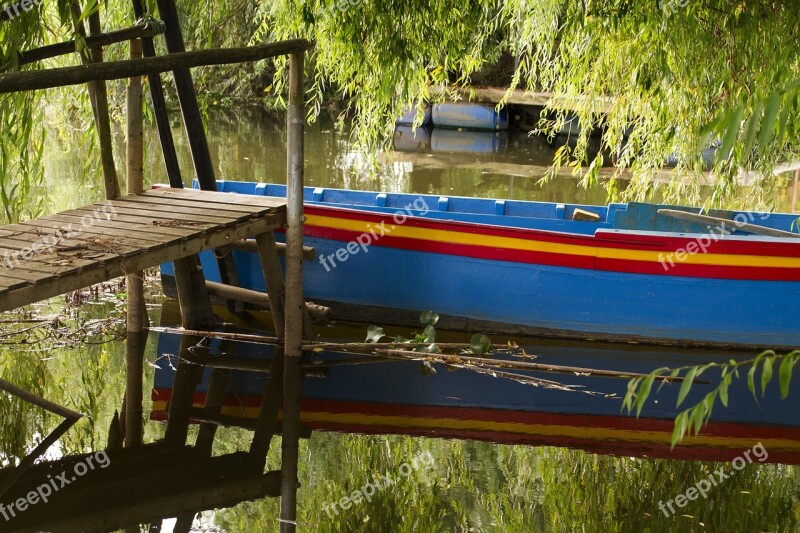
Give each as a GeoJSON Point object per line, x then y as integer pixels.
{"type": "Point", "coordinates": [611, 237]}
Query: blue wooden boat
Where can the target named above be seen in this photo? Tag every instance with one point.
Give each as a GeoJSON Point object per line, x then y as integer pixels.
{"type": "Point", "coordinates": [409, 115]}
{"type": "Point", "coordinates": [620, 272]}
{"type": "Point", "coordinates": [393, 398]}
{"type": "Point", "coordinates": [469, 116]}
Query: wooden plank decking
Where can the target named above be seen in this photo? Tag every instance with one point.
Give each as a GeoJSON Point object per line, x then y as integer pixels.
{"type": "Point", "coordinates": [67, 251]}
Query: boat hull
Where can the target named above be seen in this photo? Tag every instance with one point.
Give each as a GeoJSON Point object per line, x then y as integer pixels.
{"type": "Point", "coordinates": [388, 265]}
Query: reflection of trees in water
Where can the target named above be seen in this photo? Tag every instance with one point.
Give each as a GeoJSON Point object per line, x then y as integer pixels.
{"type": "Point", "coordinates": [492, 487]}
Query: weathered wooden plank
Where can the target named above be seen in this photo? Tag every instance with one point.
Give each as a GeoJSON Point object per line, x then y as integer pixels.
{"type": "Point", "coordinates": [248, 203]}
{"type": "Point", "coordinates": [143, 223]}
{"type": "Point", "coordinates": [111, 269]}
{"type": "Point", "coordinates": [49, 227]}
{"type": "Point", "coordinates": [134, 224]}
{"type": "Point", "coordinates": [142, 29]}
{"type": "Point", "coordinates": [84, 244]}
{"type": "Point", "coordinates": [29, 277]}
{"type": "Point", "coordinates": [8, 264]}
{"type": "Point", "coordinates": [171, 216]}
{"type": "Point", "coordinates": [48, 236]}
{"type": "Point", "coordinates": [227, 198]}
{"type": "Point", "coordinates": [89, 214]}
{"type": "Point", "coordinates": [192, 206]}
{"type": "Point", "coordinates": [149, 199]}
{"type": "Point", "coordinates": [65, 265]}
{"type": "Point", "coordinates": [8, 283]}
{"type": "Point", "coordinates": [206, 210]}
{"type": "Point", "coordinates": [50, 264]}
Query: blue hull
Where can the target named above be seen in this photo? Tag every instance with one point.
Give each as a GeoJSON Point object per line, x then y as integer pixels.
{"type": "Point", "coordinates": [693, 304]}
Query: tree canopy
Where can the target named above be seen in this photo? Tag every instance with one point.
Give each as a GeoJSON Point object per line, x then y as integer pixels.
{"type": "Point", "coordinates": [668, 71]}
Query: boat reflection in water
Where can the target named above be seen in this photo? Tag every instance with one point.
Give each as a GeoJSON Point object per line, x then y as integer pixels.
{"type": "Point", "coordinates": [203, 390]}
{"type": "Point", "coordinates": [351, 393]}
{"type": "Point", "coordinates": [444, 140]}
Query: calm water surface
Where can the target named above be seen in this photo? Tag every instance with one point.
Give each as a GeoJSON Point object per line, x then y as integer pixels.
{"type": "Point", "coordinates": [525, 456]}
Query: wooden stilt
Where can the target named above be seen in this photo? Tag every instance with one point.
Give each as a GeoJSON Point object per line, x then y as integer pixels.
{"type": "Point", "coordinates": [195, 131]}
{"type": "Point", "coordinates": [99, 98]}
{"type": "Point", "coordinates": [160, 108]}
{"type": "Point", "coordinates": [184, 85]}
{"type": "Point", "coordinates": [229, 276]}
{"type": "Point", "coordinates": [295, 119]}
{"type": "Point", "coordinates": [135, 137]}
{"type": "Point", "coordinates": [276, 289]}
{"type": "Point", "coordinates": [134, 393]}
{"type": "Point", "coordinates": [137, 310]}
{"type": "Point", "coordinates": [192, 294]}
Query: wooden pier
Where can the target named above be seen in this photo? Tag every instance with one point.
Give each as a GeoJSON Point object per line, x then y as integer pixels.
{"type": "Point", "coordinates": [67, 251]}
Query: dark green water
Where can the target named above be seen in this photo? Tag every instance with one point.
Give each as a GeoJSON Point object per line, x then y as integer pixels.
{"type": "Point", "coordinates": [469, 485]}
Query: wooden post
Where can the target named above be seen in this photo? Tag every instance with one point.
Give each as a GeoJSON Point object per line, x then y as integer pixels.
{"type": "Point", "coordinates": [134, 375]}
{"type": "Point", "coordinates": [276, 289]}
{"type": "Point", "coordinates": [196, 312]}
{"type": "Point", "coordinates": [794, 190]}
{"type": "Point", "coordinates": [137, 310]}
{"type": "Point", "coordinates": [195, 131]}
{"type": "Point", "coordinates": [135, 145]}
{"type": "Point", "coordinates": [294, 307]}
{"type": "Point", "coordinates": [295, 118]}
{"type": "Point", "coordinates": [184, 85]}
{"type": "Point", "coordinates": [99, 99]}
{"type": "Point", "coordinates": [160, 109]}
